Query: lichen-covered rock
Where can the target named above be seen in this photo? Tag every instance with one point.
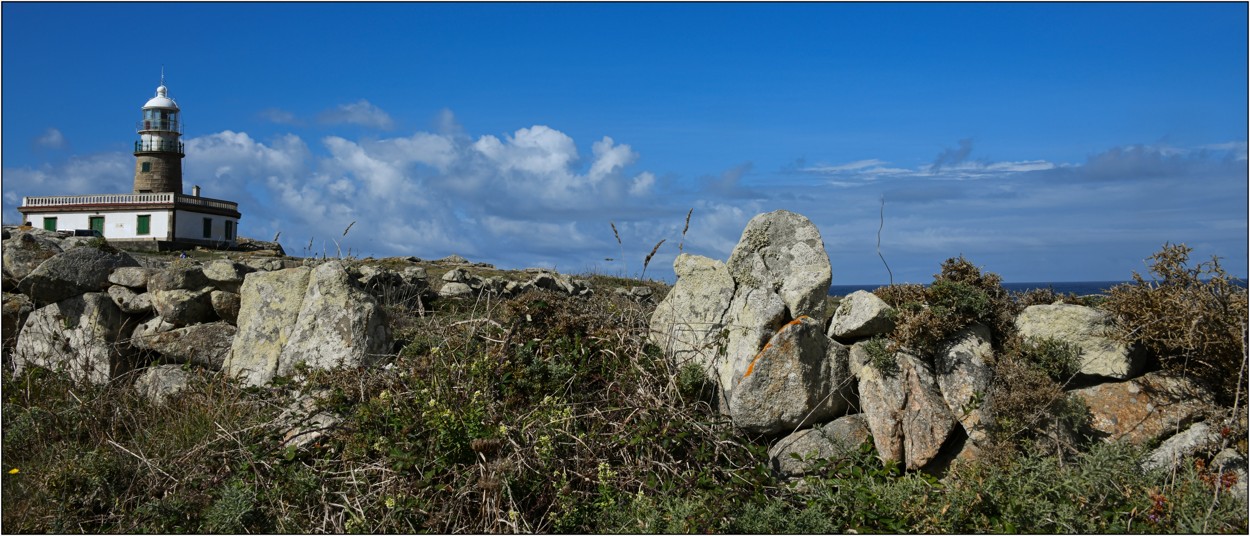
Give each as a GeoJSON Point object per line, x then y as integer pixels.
{"type": "Point", "coordinates": [1178, 448]}
{"type": "Point", "coordinates": [904, 407]}
{"type": "Point", "coordinates": [226, 305]}
{"type": "Point", "coordinates": [269, 308]}
{"type": "Point", "coordinates": [206, 345]}
{"type": "Point", "coordinates": [226, 275]}
{"type": "Point", "coordinates": [754, 316]}
{"type": "Point", "coordinates": [782, 252]}
{"type": "Point", "coordinates": [132, 277]}
{"type": "Point", "coordinates": [23, 253]}
{"type": "Point", "coordinates": [689, 322]}
{"type": "Point", "coordinates": [1231, 461]}
{"type": "Point", "coordinates": [455, 290]}
{"type": "Point", "coordinates": [73, 272]}
{"type": "Point", "coordinates": [964, 379]}
{"type": "Point", "coordinates": [79, 335]}
{"type": "Point", "coordinates": [184, 307]}
{"type": "Point", "coordinates": [1146, 409]}
{"type": "Point", "coordinates": [315, 316]}
{"type": "Point", "coordinates": [159, 383]}
{"type": "Point", "coordinates": [178, 278]}
{"type": "Point", "coordinates": [17, 307]}
{"type": "Point", "coordinates": [1089, 329]}
{"type": "Point", "coordinates": [861, 314]}
{"type": "Point", "coordinates": [793, 382]}
{"type": "Point", "coordinates": [840, 439]}
{"type": "Point", "coordinates": [130, 302]}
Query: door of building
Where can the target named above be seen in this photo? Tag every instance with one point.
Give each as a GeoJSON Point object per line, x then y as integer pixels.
{"type": "Point", "coordinates": [97, 224]}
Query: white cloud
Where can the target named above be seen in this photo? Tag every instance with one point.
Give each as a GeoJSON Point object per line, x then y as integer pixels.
{"type": "Point", "coordinates": [279, 116]}
{"type": "Point", "coordinates": [361, 112]}
{"type": "Point", "coordinates": [51, 139]}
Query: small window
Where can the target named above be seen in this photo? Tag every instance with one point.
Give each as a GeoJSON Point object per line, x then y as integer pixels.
{"type": "Point", "coordinates": [208, 227]}
{"type": "Point", "coordinates": [144, 225]}
{"type": "Point", "coordinates": [229, 230]}
{"type": "Point", "coordinates": [49, 224]}
{"type": "Point", "coordinates": [146, 167]}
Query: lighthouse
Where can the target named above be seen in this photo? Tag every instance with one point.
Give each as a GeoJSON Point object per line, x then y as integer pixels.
{"type": "Point", "coordinates": [156, 215]}
{"type": "Point", "coordinates": [158, 153]}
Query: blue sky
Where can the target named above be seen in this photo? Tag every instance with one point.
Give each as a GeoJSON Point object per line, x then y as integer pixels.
{"type": "Point", "coordinates": [1044, 142]}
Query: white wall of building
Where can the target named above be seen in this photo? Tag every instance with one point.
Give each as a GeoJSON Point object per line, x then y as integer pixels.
{"type": "Point", "coordinates": [122, 225]}
{"type": "Point", "coordinates": [190, 225]}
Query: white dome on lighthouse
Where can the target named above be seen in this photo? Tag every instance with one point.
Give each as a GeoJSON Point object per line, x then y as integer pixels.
{"type": "Point", "coordinates": [161, 100]}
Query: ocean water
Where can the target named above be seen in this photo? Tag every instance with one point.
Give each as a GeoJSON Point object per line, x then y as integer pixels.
{"type": "Point", "coordinates": [1080, 288]}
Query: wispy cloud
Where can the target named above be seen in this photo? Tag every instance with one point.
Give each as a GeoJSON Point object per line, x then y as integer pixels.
{"type": "Point", "coordinates": [51, 139]}
{"type": "Point", "coordinates": [361, 112]}
{"type": "Point", "coordinates": [951, 157]}
{"type": "Point", "coordinates": [279, 116]}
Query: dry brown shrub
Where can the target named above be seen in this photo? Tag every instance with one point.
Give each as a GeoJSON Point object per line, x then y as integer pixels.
{"type": "Point", "coordinates": [1192, 319]}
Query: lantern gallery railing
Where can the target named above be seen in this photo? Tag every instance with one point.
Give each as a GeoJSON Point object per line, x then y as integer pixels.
{"type": "Point", "coordinates": [127, 199]}
{"type": "Point", "coordinates": [158, 146]}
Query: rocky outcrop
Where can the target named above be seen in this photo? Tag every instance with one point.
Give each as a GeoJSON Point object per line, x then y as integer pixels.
{"type": "Point", "coordinates": [23, 253]}
{"type": "Point", "coordinates": [226, 275]}
{"type": "Point", "coordinates": [17, 307]}
{"type": "Point", "coordinates": [799, 378]}
{"type": "Point", "coordinates": [159, 383]}
{"type": "Point", "coordinates": [182, 307]}
{"type": "Point", "coordinates": [314, 316]}
{"type": "Point", "coordinates": [795, 454]}
{"type": "Point", "coordinates": [1087, 328]}
{"type": "Point", "coordinates": [178, 278]}
{"type": "Point", "coordinates": [861, 314]}
{"type": "Point", "coordinates": [79, 335]}
{"type": "Point", "coordinates": [73, 272]}
{"type": "Point", "coordinates": [206, 345]}
{"type": "Point", "coordinates": [225, 305]}
{"type": "Point", "coordinates": [1178, 448]}
{"type": "Point", "coordinates": [904, 408]}
{"type": "Point", "coordinates": [689, 322]}
{"type": "Point", "coordinates": [130, 276]}
{"type": "Point", "coordinates": [1145, 410]}
{"type": "Point", "coordinates": [964, 379]}
{"type": "Point", "coordinates": [130, 302]}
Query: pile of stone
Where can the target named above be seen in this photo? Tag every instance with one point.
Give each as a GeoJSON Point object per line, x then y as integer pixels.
{"type": "Point", "coordinates": [786, 367]}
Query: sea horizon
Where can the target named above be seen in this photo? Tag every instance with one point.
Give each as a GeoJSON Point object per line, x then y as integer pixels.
{"type": "Point", "coordinates": [1080, 288]}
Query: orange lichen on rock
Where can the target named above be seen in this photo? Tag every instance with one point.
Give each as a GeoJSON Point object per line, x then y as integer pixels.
{"type": "Point", "coordinates": [769, 344]}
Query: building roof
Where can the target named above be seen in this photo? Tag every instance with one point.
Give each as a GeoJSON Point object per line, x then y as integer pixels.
{"type": "Point", "coordinates": [161, 100]}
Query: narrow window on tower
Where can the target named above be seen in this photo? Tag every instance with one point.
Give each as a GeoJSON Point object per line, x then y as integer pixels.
{"type": "Point", "coordinates": [208, 227]}
{"type": "Point", "coordinates": [146, 167]}
{"type": "Point", "coordinates": [144, 225]}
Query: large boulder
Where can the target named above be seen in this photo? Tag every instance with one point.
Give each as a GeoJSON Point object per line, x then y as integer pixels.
{"type": "Point", "coordinates": [73, 272]}
{"type": "Point", "coordinates": [184, 307]}
{"type": "Point", "coordinates": [315, 316]}
{"type": "Point", "coordinates": [782, 252]}
{"type": "Point", "coordinates": [206, 345]}
{"type": "Point", "coordinates": [1146, 409]}
{"type": "Point", "coordinates": [904, 407]}
{"type": "Point", "coordinates": [24, 252]}
{"type": "Point", "coordinates": [799, 378]}
{"type": "Point", "coordinates": [130, 302]}
{"type": "Point", "coordinates": [795, 454]}
{"type": "Point", "coordinates": [226, 305]}
{"type": "Point", "coordinates": [79, 335]}
{"type": "Point", "coordinates": [1087, 328]}
{"type": "Point", "coordinates": [964, 377]}
{"type": "Point", "coordinates": [688, 323]}
{"type": "Point", "coordinates": [130, 276]}
{"type": "Point", "coordinates": [178, 277]}
{"type": "Point", "coordinates": [227, 275]}
{"type": "Point", "coordinates": [861, 314]}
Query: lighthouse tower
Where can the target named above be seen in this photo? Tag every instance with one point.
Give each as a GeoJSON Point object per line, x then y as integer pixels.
{"type": "Point", "coordinates": [158, 153]}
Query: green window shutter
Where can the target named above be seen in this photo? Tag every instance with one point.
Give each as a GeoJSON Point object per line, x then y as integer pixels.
{"type": "Point", "coordinates": [49, 224]}
{"type": "Point", "coordinates": [145, 224]}
{"type": "Point", "coordinates": [97, 223]}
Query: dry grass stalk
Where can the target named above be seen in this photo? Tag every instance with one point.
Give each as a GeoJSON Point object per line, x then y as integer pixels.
{"type": "Point", "coordinates": [681, 245]}
{"type": "Point", "coordinates": [647, 261]}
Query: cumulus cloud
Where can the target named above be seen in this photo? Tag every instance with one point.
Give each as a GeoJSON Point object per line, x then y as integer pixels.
{"type": "Point", "coordinates": [51, 139]}
{"type": "Point", "coordinates": [361, 112]}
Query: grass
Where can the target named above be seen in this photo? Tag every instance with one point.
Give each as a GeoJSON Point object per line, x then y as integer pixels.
{"type": "Point", "coordinates": [542, 413]}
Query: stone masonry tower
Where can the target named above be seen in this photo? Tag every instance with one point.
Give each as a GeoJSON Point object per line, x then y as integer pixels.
{"type": "Point", "coordinates": [158, 153]}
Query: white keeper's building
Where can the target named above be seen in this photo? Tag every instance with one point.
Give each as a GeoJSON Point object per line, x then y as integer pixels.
{"type": "Point", "coordinates": [157, 215]}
